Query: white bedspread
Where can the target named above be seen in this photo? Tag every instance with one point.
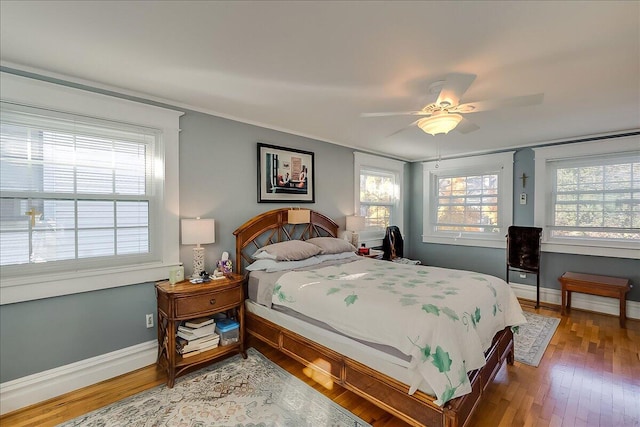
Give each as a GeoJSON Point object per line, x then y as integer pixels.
{"type": "Point", "coordinates": [444, 319]}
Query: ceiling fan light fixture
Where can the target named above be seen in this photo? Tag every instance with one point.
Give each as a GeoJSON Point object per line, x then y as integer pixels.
{"type": "Point", "coordinates": [441, 123]}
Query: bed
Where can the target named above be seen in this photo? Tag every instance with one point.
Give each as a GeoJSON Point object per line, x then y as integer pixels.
{"type": "Point", "coordinates": [394, 380]}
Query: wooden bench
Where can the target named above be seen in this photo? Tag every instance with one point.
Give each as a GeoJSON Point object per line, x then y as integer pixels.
{"type": "Point", "coordinates": [603, 286]}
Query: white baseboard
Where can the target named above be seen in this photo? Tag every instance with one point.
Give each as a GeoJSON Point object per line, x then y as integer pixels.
{"type": "Point", "coordinates": [578, 300]}
{"type": "Point", "coordinates": [45, 385]}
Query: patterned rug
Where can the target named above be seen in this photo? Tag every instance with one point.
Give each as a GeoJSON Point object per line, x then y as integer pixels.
{"type": "Point", "coordinates": [532, 339]}
{"type": "Point", "coordinates": [234, 392]}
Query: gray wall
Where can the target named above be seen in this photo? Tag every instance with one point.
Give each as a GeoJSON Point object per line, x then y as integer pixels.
{"type": "Point", "coordinates": [47, 333]}
{"type": "Point", "coordinates": [218, 177]}
{"type": "Point", "coordinates": [218, 164]}
{"type": "Point", "coordinates": [493, 261]}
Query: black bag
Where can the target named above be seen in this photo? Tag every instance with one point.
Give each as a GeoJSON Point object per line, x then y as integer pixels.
{"type": "Point", "coordinates": [392, 244]}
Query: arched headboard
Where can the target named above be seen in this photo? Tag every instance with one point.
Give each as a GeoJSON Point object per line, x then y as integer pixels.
{"type": "Point", "coordinates": [273, 227]}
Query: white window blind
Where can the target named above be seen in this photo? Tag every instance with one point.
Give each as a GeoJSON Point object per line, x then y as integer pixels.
{"type": "Point", "coordinates": [587, 196]}
{"type": "Point", "coordinates": [75, 191]}
{"type": "Point", "coordinates": [595, 198]}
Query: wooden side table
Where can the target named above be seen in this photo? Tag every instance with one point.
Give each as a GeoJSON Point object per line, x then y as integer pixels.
{"type": "Point", "coordinates": [592, 284]}
{"type": "Point", "coordinates": [186, 300]}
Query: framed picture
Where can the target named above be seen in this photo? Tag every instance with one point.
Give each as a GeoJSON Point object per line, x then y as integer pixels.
{"type": "Point", "coordinates": [285, 175]}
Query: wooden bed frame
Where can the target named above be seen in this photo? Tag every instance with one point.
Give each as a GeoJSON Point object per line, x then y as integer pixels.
{"type": "Point", "coordinates": [389, 394]}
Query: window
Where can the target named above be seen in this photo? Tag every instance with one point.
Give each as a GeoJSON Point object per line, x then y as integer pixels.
{"type": "Point", "coordinates": [467, 203]}
{"type": "Point", "coordinates": [378, 195]}
{"type": "Point", "coordinates": [73, 189]}
{"type": "Point", "coordinates": [82, 197]}
{"type": "Point", "coordinates": [590, 203]}
{"type": "Point", "coordinates": [468, 200]}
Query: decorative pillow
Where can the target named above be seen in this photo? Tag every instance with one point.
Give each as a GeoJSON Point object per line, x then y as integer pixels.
{"type": "Point", "coordinates": [291, 250]}
{"type": "Point", "coordinates": [332, 245]}
{"type": "Point", "coordinates": [271, 265]}
{"type": "Point", "coordinates": [341, 255]}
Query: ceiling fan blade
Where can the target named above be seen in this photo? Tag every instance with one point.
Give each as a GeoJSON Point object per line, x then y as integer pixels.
{"type": "Point", "coordinates": [516, 101]}
{"type": "Point", "coordinates": [465, 126]}
{"type": "Point", "coordinates": [454, 87]}
{"type": "Point", "coordinates": [397, 113]}
{"type": "Point", "coordinates": [403, 129]}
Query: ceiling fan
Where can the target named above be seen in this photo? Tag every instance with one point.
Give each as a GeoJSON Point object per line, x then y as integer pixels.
{"type": "Point", "coordinates": [446, 113]}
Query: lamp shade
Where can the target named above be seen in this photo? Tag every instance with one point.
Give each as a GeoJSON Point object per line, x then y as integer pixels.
{"type": "Point", "coordinates": [198, 231]}
{"type": "Point", "coordinates": [355, 223]}
{"type": "Point", "coordinates": [441, 123]}
{"type": "Point", "coordinates": [299, 216]}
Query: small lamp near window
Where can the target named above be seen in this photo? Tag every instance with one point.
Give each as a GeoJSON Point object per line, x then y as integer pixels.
{"type": "Point", "coordinates": [354, 224]}
{"type": "Point", "coordinates": [198, 232]}
{"type": "Point", "coordinates": [299, 216]}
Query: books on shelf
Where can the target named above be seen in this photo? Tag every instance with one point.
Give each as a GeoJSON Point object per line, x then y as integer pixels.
{"type": "Point", "coordinates": [199, 322]}
{"type": "Point", "coordinates": [196, 336]}
{"type": "Point", "coordinates": [202, 350]}
{"type": "Point", "coordinates": [186, 347]}
{"type": "Point", "coordinates": [195, 333]}
{"type": "Point", "coordinates": [197, 343]}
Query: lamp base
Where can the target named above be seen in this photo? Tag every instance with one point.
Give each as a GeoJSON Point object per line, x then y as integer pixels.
{"type": "Point", "coordinates": [198, 261]}
{"type": "Point", "coordinates": [355, 239]}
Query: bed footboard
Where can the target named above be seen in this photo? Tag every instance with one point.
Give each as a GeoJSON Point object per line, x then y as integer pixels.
{"type": "Point", "coordinates": [389, 394]}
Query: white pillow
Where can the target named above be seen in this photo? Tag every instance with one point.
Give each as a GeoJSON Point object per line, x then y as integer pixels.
{"type": "Point", "coordinates": [332, 245]}
{"type": "Point", "coordinates": [291, 250]}
{"type": "Point", "coordinates": [261, 264]}
{"type": "Point", "coordinates": [331, 257]}
{"type": "Point", "coordinates": [271, 265]}
{"type": "Point", "coordinates": [263, 255]}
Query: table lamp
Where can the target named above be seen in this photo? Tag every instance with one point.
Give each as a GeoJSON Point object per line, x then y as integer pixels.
{"type": "Point", "coordinates": [354, 224]}
{"type": "Point", "coordinates": [299, 216]}
{"type": "Point", "coordinates": [198, 232]}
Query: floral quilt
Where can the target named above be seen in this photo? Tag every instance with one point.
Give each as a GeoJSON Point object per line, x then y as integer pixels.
{"type": "Point", "coordinates": [444, 319]}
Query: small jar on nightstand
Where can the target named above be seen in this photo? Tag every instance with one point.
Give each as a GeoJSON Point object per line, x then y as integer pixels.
{"type": "Point", "coordinates": [363, 250]}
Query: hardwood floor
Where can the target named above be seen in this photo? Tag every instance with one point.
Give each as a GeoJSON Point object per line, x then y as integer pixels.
{"type": "Point", "coordinates": [589, 376]}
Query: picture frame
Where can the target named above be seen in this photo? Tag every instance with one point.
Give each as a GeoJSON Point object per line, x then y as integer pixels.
{"type": "Point", "coordinates": [285, 175]}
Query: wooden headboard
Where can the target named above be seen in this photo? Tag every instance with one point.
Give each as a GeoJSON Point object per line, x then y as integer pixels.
{"type": "Point", "coordinates": [273, 227]}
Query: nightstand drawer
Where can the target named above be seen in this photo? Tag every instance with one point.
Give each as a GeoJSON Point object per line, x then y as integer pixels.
{"type": "Point", "coordinates": [206, 302]}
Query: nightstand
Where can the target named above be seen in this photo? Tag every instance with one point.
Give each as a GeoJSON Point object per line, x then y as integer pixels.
{"type": "Point", "coordinates": [186, 300]}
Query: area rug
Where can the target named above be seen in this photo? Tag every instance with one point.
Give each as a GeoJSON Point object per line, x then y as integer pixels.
{"type": "Point", "coordinates": [531, 339]}
{"type": "Point", "coordinates": [234, 392]}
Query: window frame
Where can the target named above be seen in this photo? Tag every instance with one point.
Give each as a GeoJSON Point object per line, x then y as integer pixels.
{"type": "Point", "coordinates": [545, 158]}
{"type": "Point", "coordinates": [368, 162]}
{"type": "Point", "coordinates": [502, 163]}
{"type": "Point", "coordinates": [69, 100]}
{"type": "Point", "coordinates": [73, 130]}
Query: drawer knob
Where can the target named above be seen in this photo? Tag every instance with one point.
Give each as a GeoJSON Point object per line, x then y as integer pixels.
{"type": "Point", "coordinates": [212, 301]}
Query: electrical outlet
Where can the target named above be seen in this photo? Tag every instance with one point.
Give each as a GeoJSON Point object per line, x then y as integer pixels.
{"type": "Point", "coordinates": [522, 276]}
{"type": "Point", "coordinates": [149, 319]}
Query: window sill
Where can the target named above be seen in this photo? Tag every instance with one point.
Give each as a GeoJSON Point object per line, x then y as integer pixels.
{"type": "Point", "coordinates": [466, 241]}
{"type": "Point", "coordinates": [47, 286]}
{"type": "Point", "coordinates": [582, 249]}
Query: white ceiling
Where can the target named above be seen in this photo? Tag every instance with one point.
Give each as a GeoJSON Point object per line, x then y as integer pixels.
{"type": "Point", "coordinates": [311, 68]}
